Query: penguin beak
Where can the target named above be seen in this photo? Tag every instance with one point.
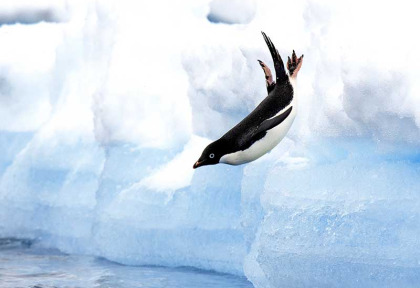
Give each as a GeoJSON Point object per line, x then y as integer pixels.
{"type": "Point", "coordinates": [197, 164]}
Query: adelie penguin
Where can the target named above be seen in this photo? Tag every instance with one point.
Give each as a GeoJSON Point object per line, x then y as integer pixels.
{"type": "Point", "coordinates": [265, 127]}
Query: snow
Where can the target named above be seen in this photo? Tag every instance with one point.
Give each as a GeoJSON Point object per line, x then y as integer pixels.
{"type": "Point", "coordinates": [28, 12]}
{"type": "Point", "coordinates": [105, 108]}
{"type": "Point", "coordinates": [232, 12]}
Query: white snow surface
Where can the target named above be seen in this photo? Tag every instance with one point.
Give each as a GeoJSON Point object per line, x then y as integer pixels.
{"type": "Point", "coordinates": [106, 105]}
{"type": "Point", "coordinates": [232, 11]}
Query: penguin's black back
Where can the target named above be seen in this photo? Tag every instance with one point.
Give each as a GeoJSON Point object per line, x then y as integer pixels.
{"type": "Point", "coordinates": [250, 130]}
{"type": "Point", "coordinates": [244, 134]}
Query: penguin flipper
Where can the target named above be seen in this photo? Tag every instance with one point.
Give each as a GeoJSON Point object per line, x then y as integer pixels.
{"type": "Point", "coordinates": [273, 122]}
{"type": "Point", "coordinates": [281, 75]}
{"type": "Point", "coordinates": [266, 125]}
{"type": "Point", "coordinates": [270, 83]}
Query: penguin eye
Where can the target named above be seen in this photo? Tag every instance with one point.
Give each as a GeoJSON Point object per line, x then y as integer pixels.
{"type": "Point", "coordinates": [211, 155]}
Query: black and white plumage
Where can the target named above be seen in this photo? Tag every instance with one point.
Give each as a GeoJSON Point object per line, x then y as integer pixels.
{"type": "Point", "coordinates": [266, 126]}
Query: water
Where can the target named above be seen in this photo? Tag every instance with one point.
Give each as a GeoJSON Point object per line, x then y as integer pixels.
{"type": "Point", "coordinates": [25, 265]}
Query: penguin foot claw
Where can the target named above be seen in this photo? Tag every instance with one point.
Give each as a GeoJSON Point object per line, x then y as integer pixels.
{"type": "Point", "coordinates": [294, 64]}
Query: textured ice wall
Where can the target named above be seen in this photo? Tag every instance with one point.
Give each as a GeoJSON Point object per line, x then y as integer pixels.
{"type": "Point", "coordinates": [107, 169]}
{"type": "Point", "coordinates": [342, 214]}
{"type": "Point", "coordinates": [103, 115]}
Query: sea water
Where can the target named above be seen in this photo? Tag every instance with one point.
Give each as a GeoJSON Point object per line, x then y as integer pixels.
{"type": "Point", "coordinates": [25, 265]}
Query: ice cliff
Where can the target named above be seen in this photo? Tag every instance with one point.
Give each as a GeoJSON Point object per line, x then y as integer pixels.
{"type": "Point", "coordinates": [105, 106]}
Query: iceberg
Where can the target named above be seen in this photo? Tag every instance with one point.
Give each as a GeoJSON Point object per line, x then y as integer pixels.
{"type": "Point", "coordinates": [105, 108]}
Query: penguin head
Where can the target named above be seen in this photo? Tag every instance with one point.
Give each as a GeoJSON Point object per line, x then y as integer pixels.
{"type": "Point", "coordinates": [212, 154]}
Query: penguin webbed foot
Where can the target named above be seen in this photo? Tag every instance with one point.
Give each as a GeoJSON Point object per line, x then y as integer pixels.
{"type": "Point", "coordinates": [294, 64]}
{"type": "Point", "coordinates": [269, 82]}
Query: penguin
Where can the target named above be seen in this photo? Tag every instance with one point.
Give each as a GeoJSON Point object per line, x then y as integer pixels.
{"type": "Point", "coordinates": [267, 124]}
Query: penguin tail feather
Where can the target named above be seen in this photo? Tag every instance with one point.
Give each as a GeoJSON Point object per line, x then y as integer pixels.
{"type": "Point", "coordinates": [278, 62]}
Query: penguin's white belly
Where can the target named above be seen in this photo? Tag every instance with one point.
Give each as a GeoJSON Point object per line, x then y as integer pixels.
{"type": "Point", "coordinates": [264, 145]}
